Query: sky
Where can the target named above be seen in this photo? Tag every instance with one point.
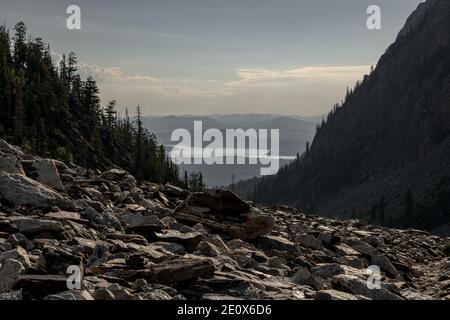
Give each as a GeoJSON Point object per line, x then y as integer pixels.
{"type": "Point", "coordinates": [292, 57]}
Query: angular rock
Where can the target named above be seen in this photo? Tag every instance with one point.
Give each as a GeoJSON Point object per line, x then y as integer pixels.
{"type": "Point", "coordinates": [411, 295]}
{"type": "Point", "coordinates": [275, 243]}
{"type": "Point", "coordinates": [304, 277]}
{"type": "Point", "coordinates": [56, 260]}
{"type": "Point", "coordinates": [11, 296]}
{"type": "Point", "coordinates": [23, 191]}
{"type": "Point", "coordinates": [327, 270]}
{"type": "Point", "coordinates": [325, 237]}
{"type": "Point", "coordinates": [33, 226]}
{"type": "Point", "coordinates": [255, 226]}
{"type": "Point", "coordinates": [10, 150]}
{"type": "Point", "coordinates": [277, 262]}
{"type": "Point", "coordinates": [120, 293]}
{"type": "Point", "coordinates": [361, 246]}
{"type": "Point", "coordinates": [9, 274]}
{"type": "Point", "coordinates": [344, 250]}
{"type": "Point", "coordinates": [161, 197]}
{"type": "Point", "coordinates": [157, 294]}
{"type": "Point", "coordinates": [386, 265]}
{"type": "Point", "coordinates": [352, 261]}
{"type": "Point", "coordinates": [124, 179]}
{"type": "Point", "coordinates": [308, 241]}
{"type": "Point", "coordinates": [44, 171]}
{"type": "Point", "coordinates": [103, 294]}
{"type": "Point", "coordinates": [355, 285]}
{"type": "Point", "coordinates": [171, 247]}
{"type": "Point", "coordinates": [219, 297]}
{"type": "Point", "coordinates": [180, 270]}
{"type": "Point", "coordinates": [39, 286]}
{"type": "Point", "coordinates": [271, 271]}
{"type": "Point", "coordinates": [66, 215]}
{"type": "Point", "coordinates": [252, 229]}
{"type": "Point", "coordinates": [61, 296]}
{"type": "Point", "coordinates": [142, 225]}
{"type": "Point", "coordinates": [11, 165]}
{"type": "Point", "coordinates": [208, 249]}
{"type": "Point", "coordinates": [222, 205]}
{"type": "Point", "coordinates": [18, 254]}
{"type": "Point", "coordinates": [5, 246]}
{"type": "Point", "coordinates": [333, 295]}
{"type": "Point", "coordinates": [188, 240]}
{"type": "Point", "coordinates": [173, 191]}
{"type": "Point", "coordinates": [103, 220]}
{"type": "Point", "coordinates": [114, 174]}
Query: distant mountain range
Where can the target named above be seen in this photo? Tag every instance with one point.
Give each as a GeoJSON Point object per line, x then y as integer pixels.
{"type": "Point", "coordinates": [384, 154]}
{"type": "Point", "coordinates": [295, 132]}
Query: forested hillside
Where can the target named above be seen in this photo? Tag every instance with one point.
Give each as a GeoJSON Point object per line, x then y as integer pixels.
{"type": "Point", "coordinates": [49, 110]}
{"type": "Point", "coordinates": [383, 154]}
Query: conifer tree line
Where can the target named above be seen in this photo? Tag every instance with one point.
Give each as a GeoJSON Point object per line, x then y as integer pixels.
{"type": "Point", "coordinates": [49, 110]}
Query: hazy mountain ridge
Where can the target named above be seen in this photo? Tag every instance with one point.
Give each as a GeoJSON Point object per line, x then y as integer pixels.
{"type": "Point", "coordinates": [294, 134]}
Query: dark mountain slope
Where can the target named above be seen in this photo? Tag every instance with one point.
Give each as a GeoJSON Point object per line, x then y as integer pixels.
{"type": "Point", "coordinates": [398, 117]}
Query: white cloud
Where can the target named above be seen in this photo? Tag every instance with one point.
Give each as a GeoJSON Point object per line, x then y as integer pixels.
{"type": "Point", "coordinates": [113, 81]}
{"type": "Point", "coordinates": [267, 77]}
{"type": "Point", "coordinates": [308, 90]}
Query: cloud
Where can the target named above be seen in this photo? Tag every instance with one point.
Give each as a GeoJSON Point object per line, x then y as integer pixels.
{"type": "Point", "coordinates": [267, 77]}
{"type": "Point", "coordinates": [307, 90]}
{"type": "Point", "coordinates": [56, 57]}
{"type": "Point", "coordinates": [100, 74]}
{"type": "Point", "coordinates": [113, 81]}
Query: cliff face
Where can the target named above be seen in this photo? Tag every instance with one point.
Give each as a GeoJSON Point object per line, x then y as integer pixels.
{"type": "Point", "coordinates": [144, 241]}
{"type": "Point", "coordinates": [395, 124]}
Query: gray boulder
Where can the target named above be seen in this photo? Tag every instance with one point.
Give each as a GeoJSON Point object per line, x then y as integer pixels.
{"type": "Point", "coordinates": [22, 191]}
{"type": "Point", "coordinates": [9, 274]}
{"type": "Point", "coordinates": [10, 164]}
{"type": "Point", "coordinates": [45, 172]}
{"type": "Point", "coordinates": [355, 285]}
{"type": "Point", "coordinates": [32, 226]}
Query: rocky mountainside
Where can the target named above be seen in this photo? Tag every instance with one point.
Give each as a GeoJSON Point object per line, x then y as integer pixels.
{"type": "Point", "coordinates": [383, 154]}
{"type": "Point", "coordinates": [148, 241]}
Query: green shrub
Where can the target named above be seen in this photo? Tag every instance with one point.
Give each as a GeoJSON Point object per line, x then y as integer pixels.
{"type": "Point", "coordinates": [64, 155]}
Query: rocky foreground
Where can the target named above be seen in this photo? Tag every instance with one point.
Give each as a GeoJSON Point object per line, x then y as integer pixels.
{"type": "Point", "coordinates": [147, 241]}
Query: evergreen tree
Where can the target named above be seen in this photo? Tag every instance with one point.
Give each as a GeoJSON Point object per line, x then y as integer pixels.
{"type": "Point", "coordinates": [409, 204]}
{"type": "Point", "coordinates": [51, 111]}
{"type": "Point", "coordinates": [20, 46]}
{"type": "Point", "coordinates": [19, 109]}
{"type": "Point", "coordinates": [139, 137]}
{"type": "Point", "coordinates": [381, 210]}
{"type": "Point", "coordinates": [111, 116]}
{"type": "Point", "coordinates": [71, 67]}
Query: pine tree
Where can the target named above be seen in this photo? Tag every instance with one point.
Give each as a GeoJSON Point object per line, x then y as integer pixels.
{"type": "Point", "coordinates": [20, 47]}
{"type": "Point", "coordinates": [19, 109]}
{"type": "Point", "coordinates": [409, 204]}
{"type": "Point", "coordinates": [111, 116]}
{"type": "Point", "coordinates": [52, 112]}
{"type": "Point", "coordinates": [63, 68]}
{"type": "Point", "coordinates": [6, 111]}
{"type": "Point", "coordinates": [381, 210]}
{"type": "Point", "coordinates": [139, 137]}
{"type": "Point", "coordinates": [186, 180]}
{"type": "Point", "coordinates": [71, 67]}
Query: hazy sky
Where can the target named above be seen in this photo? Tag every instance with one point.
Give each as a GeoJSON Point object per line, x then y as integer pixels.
{"type": "Point", "coordinates": [218, 56]}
